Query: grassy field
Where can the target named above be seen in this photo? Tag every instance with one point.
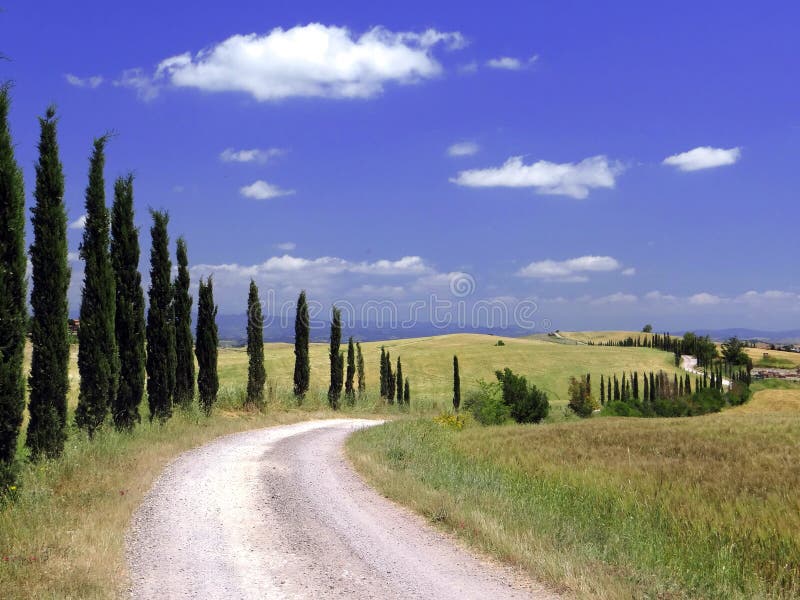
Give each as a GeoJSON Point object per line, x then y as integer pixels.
{"type": "Point", "coordinates": [598, 337]}
{"type": "Point", "coordinates": [615, 508]}
{"type": "Point", "coordinates": [774, 359]}
{"type": "Point", "coordinates": [428, 364]}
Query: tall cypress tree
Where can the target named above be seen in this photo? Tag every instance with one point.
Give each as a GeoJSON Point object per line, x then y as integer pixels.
{"type": "Point", "coordinates": [160, 323]}
{"type": "Point", "coordinates": [362, 382]}
{"type": "Point", "coordinates": [13, 294]}
{"type": "Point", "coordinates": [349, 390]}
{"type": "Point", "coordinates": [184, 359]}
{"type": "Point", "coordinates": [256, 374]}
{"type": "Point", "coordinates": [98, 360]}
{"type": "Point", "coordinates": [602, 391]}
{"type": "Point", "coordinates": [390, 380]}
{"type": "Point", "coordinates": [335, 388]}
{"type": "Point", "coordinates": [48, 380]}
{"type": "Point", "coordinates": [384, 380]}
{"type": "Point", "coordinates": [129, 323]}
{"type": "Point", "coordinates": [407, 394]}
{"type": "Point", "coordinates": [302, 368]}
{"type": "Point", "coordinates": [206, 347]}
{"type": "Point", "coordinates": [400, 390]}
{"type": "Point", "coordinates": [456, 384]}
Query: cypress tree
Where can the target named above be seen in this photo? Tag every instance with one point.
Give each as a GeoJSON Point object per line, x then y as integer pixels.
{"type": "Point", "coordinates": [335, 388]}
{"type": "Point", "coordinates": [646, 389]}
{"type": "Point", "coordinates": [384, 385]}
{"type": "Point", "coordinates": [13, 296]}
{"type": "Point", "coordinates": [98, 360]}
{"type": "Point", "coordinates": [256, 374]}
{"type": "Point", "coordinates": [602, 391]}
{"type": "Point", "coordinates": [390, 380]}
{"type": "Point", "coordinates": [349, 390]}
{"type": "Point", "coordinates": [362, 382]}
{"type": "Point", "coordinates": [407, 394]}
{"type": "Point", "coordinates": [636, 386]}
{"type": "Point", "coordinates": [129, 318]}
{"type": "Point", "coordinates": [160, 323]}
{"type": "Point", "coordinates": [652, 388]}
{"type": "Point", "coordinates": [184, 359]}
{"type": "Point", "coordinates": [302, 367]}
{"type": "Point", "coordinates": [48, 378]}
{"type": "Point", "coordinates": [206, 347]}
{"type": "Point", "coordinates": [687, 385]}
{"type": "Point", "coordinates": [616, 388]}
{"type": "Point", "coordinates": [400, 391]}
{"type": "Point", "coordinates": [608, 390]}
{"type": "Point", "coordinates": [456, 385]}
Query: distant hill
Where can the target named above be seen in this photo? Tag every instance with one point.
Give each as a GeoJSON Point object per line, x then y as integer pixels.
{"type": "Point", "coordinates": [789, 336]}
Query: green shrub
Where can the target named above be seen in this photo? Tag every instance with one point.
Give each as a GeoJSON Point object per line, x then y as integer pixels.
{"type": "Point", "coordinates": [486, 404]}
{"type": "Point", "coordinates": [580, 397]}
{"type": "Point", "coordinates": [739, 393]}
{"type": "Point", "coordinates": [527, 405]}
{"type": "Point", "coordinates": [617, 408]}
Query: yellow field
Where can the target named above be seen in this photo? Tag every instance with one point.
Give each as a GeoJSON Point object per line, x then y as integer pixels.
{"type": "Point", "coordinates": [791, 359]}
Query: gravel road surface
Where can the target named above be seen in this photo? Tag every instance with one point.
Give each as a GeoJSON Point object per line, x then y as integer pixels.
{"type": "Point", "coordinates": [278, 513]}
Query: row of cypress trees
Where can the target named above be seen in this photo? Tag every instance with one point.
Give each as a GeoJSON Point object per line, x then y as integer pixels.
{"type": "Point", "coordinates": [112, 336]}
{"type": "Point", "coordinates": [393, 386]}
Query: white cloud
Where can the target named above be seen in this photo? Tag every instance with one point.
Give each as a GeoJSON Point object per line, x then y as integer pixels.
{"type": "Point", "coordinates": [704, 298]}
{"type": "Point", "coordinates": [91, 82]}
{"type": "Point", "coordinates": [261, 190]}
{"type": "Point", "coordinates": [618, 298]}
{"type": "Point", "coordinates": [703, 157]}
{"type": "Point", "coordinates": [463, 149]}
{"type": "Point", "coordinates": [286, 246]}
{"type": "Point", "coordinates": [511, 64]}
{"type": "Point", "coordinates": [571, 270]}
{"type": "Point", "coordinates": [73, 256]}
{"type": "Point", "coordinates": [252, 155]}
{"type": "Point", "coordinates": [629, 272]}
{"type": "Point", "coordinates": [312, 60]}
{"type": "Point", "coordinates": [755, 297]}
{"type": "Point", "coordinates": [78, 223]}
{"type": "Point", "coordinates": [137, 79]}
{"type": "Point", "coordinates": [566, 179]}
{"type": "Point", "coordinates": [656, 296]}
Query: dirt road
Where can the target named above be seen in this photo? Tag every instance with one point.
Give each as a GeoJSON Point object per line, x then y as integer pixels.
{"type": "Point", "coordinates": [278, 513]}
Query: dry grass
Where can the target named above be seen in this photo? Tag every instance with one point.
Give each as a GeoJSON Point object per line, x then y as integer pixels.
{"type": "Point", "coordinates": [615, 508]}
{"type": "Point", "coordinates": [778, 358]}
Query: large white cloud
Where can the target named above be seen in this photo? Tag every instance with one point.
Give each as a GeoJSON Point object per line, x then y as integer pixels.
{"type": "Point", "coordinates": [572, 270]}
{"type": "Point", "coordinates": [567, 179]}
{"type": "Point", "coordinates": [261, 190]}
{"type": "Point", "coordinates": [313, 60]}
{"type": "Point", "coordinates": [703, 157]}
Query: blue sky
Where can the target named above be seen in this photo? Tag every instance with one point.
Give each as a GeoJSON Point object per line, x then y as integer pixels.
{"type": "Point", "coordinates": [613, 164]}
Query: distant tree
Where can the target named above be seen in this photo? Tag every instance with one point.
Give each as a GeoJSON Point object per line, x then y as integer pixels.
{"type": "Point", "coordinates": [349, 389]}
{"type": "Point", "coordinates": [400, 391]}
{"type": "Point", "coordinates": [98, 358]}
{"type": "Point", "coordinates": [256, 374]}
{"type": "Point", "coordinates": [733, 352]}
{"type": "Point", "coordinates": [391, 380]}
{"type": "Point", "coordinates": [362, 382]}
{"type": "Point", "coordinates": [302, 367]}
{"type": "Point", "coordinates": [48, 380]}
{"type": "Point", "coordinates": [647, 328]}
{"type": "Point", "coordinates": [335, 388]}
{"type": "Point", "coordinates": [384, 377]}
{"type": "Point", "coordinates": [184, 344]}
{"type": "Point", "coordinates": [527, 404]}
{"type": "Point", "coordinates": [13, 296]}
{"type": "Point", "coordinates": [129, 321]}
{"type": "Point", "coordinates": [581, 401]}
{"type": "Point", "coordinates": [407, 394]}
{"type": "Point", "coordinates": [160, 323]}
{"type": "Point", "coordinates": [206, 347]}
{"type": "Point", "coordinates": [456, 385]}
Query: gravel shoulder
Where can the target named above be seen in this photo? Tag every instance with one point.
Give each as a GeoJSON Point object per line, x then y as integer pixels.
{"type": "Point", "coordinates": [278, 513]}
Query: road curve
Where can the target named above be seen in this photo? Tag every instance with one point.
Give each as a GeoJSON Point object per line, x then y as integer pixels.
{"type": "Point", "coordinates": [278, 513]}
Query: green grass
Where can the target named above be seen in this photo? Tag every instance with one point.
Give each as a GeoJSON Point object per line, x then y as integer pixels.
{"type": "Point", "coordinates": [614, 508]}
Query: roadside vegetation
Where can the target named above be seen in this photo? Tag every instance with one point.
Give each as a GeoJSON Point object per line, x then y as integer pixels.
{"type": "Point", "coordinates": [609, 507]}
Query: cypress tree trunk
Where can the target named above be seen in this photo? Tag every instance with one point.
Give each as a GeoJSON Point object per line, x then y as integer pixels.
{"type": "Point", "coordinates": [400, 391]}
{"type": "Point", "coordinates": [129, 324]}
{"type": "Point", "coordinates": [456, 385]}
{"type": "Point", "coordinates": [13, 296]}
{"type": "Point", "coordinates": [160, 323]}
{"type": "Point", "coordinates": [256, 375]}
{"type": "Point", "coordinates": [302, 369]}
{"type": "Point", "coordinates": [335, 388]}
{"type": "Point", "coordinates": [349, 391]}
{"type": "Point", "coordinates": [206, 347]}
{"type": "Point", "coordinates": [362, 383]}
{"type": "Point", "coordinates": [98, 361]}
{"type": "Point", "coordinates": [48, 381]}
{"type": "Point", "coordinates": [184, 359]}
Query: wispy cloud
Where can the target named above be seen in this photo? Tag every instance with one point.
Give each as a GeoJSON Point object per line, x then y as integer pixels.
{"type": "Point", "coordinates": [136, 79]}
{"type": "Point", "coordinates": [572, 270]}
{"type": "Point", "coordinates": [259, 155]}
{"type": "Point", "coordinates": [510, 63]}
{"type": "Point", "coordinates": [261, 190]}
{"type": "Point", "coordinates": [286, 246]}
{"type": "Point", "coordinates": [463, 149]}
{"type": "Point", "coordinates": [78, 223]}
{"type": "Point", "coordinates": [566, 179]}
{"type": "Point", "coordinates": [703, 157]}
{"type": "Point", "coordinates": [90, 82]}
